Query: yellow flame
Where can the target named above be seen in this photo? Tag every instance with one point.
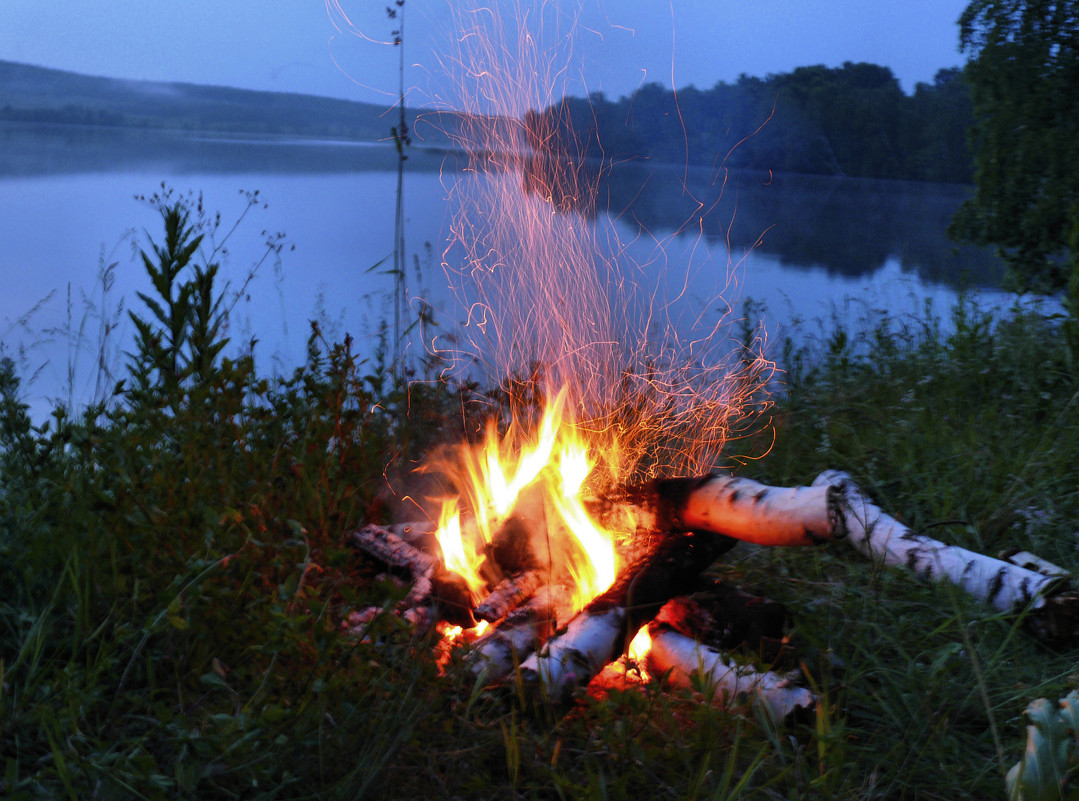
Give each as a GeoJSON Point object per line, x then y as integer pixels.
{"type": "Point", "coordinates": [558, 464]}
{"type": "Point", "coordinates": [595, 542]}
{"type": "Point", "coordinates": [464, 562]}
{"type": "Point", "coordinates": [640, 644]}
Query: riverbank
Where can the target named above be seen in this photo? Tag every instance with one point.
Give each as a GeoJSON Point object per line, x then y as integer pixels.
{"type": "Point", "coordinates": [177, 573]}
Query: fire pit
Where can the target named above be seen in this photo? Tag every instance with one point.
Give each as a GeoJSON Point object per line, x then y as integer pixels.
{"type": "Point", "coordinates": [551, 576]}
{"type": "Point", "coordinates": [564, 535]}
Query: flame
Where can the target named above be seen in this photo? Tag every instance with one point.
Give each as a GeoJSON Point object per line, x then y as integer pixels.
{"type": "Point", "coordinates": [555, 467]}
{"type": "Point", "coordinates": [454, 554]}
{"type": "Point", "coordinates": [640, 645]}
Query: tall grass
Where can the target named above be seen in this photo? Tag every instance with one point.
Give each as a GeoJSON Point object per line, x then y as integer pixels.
{"type": "Point", "coordinates": [174, 577]}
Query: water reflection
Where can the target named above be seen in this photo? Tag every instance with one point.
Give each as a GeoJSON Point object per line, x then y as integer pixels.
{"type": "Point", "coordinates": [840, 226]}
{"type": "Point", "coordinates": [844, 227]}
{"type": "Point", "coordinates": [66, 201]}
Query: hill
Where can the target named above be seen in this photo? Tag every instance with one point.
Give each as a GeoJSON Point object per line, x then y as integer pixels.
{"type": "Point", "coordinates": [38, 94]}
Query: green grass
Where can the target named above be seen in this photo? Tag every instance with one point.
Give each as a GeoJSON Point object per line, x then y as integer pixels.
{"type": "Point", "coordinates": [174, 575]}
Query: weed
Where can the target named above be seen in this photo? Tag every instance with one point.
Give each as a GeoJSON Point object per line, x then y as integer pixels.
{"type": "Point", "coordinates": [175, 573]}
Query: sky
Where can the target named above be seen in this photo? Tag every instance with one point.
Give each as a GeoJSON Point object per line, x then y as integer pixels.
{"type": "Point", "coordinates": [616, 45]}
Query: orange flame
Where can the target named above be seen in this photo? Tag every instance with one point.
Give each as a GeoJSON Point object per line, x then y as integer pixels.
{"type": "Point", "coordinates": [640, 645]}
{"type": "Point", "coordinates": [556, 463]}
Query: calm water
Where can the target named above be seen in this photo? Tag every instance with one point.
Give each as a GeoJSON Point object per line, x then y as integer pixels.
{"type": "Point", "coordinates": [803, 246]}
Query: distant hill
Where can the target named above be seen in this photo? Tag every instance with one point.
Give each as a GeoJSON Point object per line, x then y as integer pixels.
{"type": "Point", "coordinates": [39, 94]}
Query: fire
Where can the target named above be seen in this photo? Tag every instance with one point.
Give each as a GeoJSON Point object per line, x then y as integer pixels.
{"type": "Point", "coordinates": [536, 267]}
{"type": "Point", "coordinates": [454, 555]}
{"type": "Point", "coordinates": [553, 469]}
{"type": "Point", "coordinates": [640, 644]}
{"type": "Point", "coordinates": [634, 387]}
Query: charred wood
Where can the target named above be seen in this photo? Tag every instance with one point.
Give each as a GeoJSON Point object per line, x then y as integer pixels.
{"type": "Point", "coordinates": [598, 633]}
{"type": "Point", "coordinates": [509, 594]}
{"type": "Point", "coordinates": [505, 646]}
{"type": "Point", "coordinates": [726, 617]}
{"type": "Point", "coordinates": [520, 543]}
{"type": "Point", "coordinates": [393, 551]}
{"type": "Point", "coordinates": [431, 581]}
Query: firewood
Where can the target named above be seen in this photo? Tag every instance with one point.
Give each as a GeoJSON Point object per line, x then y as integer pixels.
{"type": "Point", "coordinates": [390, 549]}
{"type": "Point", "coordinates": [431, 580]}
{"type": "Point", "coordinates": [509, 594]}
{"type": "Point", "coordinates": [519, 634]}
{"type": "Point", "coordinates": [743, 509]}
{"type": "Point", "coordinates": [393, 551]}
{"type": "Point", "coordinates": [597, 634]}
{"type": "Point", "coordinates": [874, 534]}
{"type": "Point", "coordinates": [453, 597]}
{"type": "Point", "coordinates": [833, 508]}
{"type": "Point", "coordinates": [520, 543]}
{"type": "Point", "coordinates": [679, 657]}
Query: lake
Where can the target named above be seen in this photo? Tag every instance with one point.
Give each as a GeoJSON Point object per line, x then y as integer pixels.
{"type": "Point", "coordinates": [806, 247]}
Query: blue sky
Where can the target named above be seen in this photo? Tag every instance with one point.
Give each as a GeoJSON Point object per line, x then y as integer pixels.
{"type": "Point", "coordinates": [294, 45]}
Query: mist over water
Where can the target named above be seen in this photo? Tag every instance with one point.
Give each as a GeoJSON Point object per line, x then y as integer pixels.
{"type": "Point", "coordinates": [803, 246]}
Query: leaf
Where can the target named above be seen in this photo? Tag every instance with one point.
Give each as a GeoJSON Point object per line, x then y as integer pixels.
{"type": "Point", "coordinates": [212, 679]}
{"type": "Point", "coordinates": [1040, 774]}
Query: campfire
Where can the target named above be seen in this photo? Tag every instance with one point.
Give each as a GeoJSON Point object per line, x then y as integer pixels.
{"type": "Point", "coordinates": [582, 525]}
{"type": "Point", "coordinates": [550, 575]}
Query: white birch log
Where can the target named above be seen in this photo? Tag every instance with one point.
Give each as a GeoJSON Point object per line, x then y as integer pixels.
{"type": "Point", "coordinates": [743, 509]}
{"type": "Point", "coordinates": [1005, 586]}
{"type": "Point", "coordinates": [682, 657]}
{"type": "Point", "coordinates": [518, 635]}
{"type": "Point", "coordinates": [590, 641]}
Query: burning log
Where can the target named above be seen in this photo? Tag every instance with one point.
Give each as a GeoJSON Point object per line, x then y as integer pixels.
{"type": "Point", "coordinates": [744, 509]}
{"type": "Point", "coordinates": [509, 594]}
{"type": "Point", "coordinates": [597, 634]}
{"type": "Point", "coordinates": [690, 633]}
{"type": "Point", "coordinates": [519, 634]}
{"type": "Point", "coordinates": [430, 578]}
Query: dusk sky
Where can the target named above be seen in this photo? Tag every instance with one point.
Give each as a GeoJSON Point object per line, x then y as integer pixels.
{"type": "Point", "coordinates": [618, 44]}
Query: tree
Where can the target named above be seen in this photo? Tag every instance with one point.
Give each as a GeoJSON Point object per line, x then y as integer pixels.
{"type": "Point", "coordinates": [1024, 79]}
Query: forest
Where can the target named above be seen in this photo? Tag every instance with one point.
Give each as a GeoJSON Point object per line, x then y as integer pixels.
{"type": "Point", "coordinates": [854, 120]}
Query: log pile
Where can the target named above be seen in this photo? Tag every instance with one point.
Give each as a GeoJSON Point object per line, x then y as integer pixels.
{"type": "Point", "coordinates": [688, 523]}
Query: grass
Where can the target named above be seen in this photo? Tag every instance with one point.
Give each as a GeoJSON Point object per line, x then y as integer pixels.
{"type": "Point", "coordinates": [174, 575]}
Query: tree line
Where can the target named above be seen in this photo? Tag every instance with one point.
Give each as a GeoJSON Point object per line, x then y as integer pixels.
{"type": "Point", "coordinates": [1008, 122]}
{"type": "Point", "coordinates": [854, 120]}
